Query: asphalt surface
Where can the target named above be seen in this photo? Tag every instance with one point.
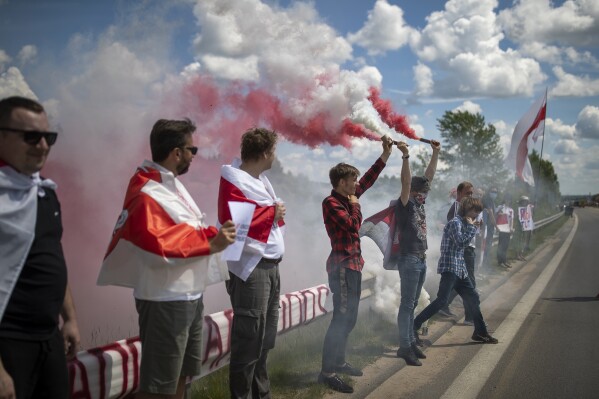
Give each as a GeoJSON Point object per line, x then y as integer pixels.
{"type": "Point", "coordinates": [544, 312]}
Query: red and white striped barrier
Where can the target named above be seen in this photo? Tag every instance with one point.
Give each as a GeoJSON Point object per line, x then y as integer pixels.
{"type": "Point", "coordinates": [112, 371]}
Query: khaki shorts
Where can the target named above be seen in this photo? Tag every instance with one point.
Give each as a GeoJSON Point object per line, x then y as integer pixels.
{"type": "Point", "coordinates": [171, 343]}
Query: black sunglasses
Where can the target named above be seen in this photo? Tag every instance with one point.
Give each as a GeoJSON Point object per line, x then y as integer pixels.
{"type": "Point", "coordinates": [32, 137]}
{"type": "Point", "coordinates": [193, 150]}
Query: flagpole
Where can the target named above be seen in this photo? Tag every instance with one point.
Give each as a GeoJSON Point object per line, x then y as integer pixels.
{"type": "Point", "coordinates": [541, 156]}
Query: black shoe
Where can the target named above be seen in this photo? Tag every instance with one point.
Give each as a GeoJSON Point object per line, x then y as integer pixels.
{"type": "Point", "coordinates": [349, 370]}
{"type": "Point", "coordinates": [419, 354]}
{"type": "Point", "coordinates": [446, 312]}
{"type": "Point", "coordinates": [485, 339]}
{"type": "Point", "coordinates": [335, 383]}
{"type": "Point", "coordinates": [417, 339]}
{"type": "Point", "coordinates": [408, 355]}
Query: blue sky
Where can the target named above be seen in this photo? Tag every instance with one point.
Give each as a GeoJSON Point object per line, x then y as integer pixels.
{"type": "Point", "coordinates": [431, 56]}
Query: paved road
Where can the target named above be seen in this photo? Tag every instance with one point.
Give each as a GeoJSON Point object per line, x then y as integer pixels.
{"type": "Point", "coordinates": [546, 317]}
{"type": "Point", "coordinates": [556, 352]}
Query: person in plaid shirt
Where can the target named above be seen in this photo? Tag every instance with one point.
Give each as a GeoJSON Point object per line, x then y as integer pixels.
{"type": "Point", "coordinates": [342, 219]}
{"type": "Point", "coordinates": [456, 236]}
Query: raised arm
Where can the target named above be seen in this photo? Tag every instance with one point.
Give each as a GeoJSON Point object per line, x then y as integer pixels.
{"type": "Point", "coordinates": [406, 174]}
{"type": "Point", "coordinates": [432, 165]}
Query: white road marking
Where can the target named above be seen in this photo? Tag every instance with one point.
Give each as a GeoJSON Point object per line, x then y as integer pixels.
{"type": "Point", "coordinates": [473, 378]}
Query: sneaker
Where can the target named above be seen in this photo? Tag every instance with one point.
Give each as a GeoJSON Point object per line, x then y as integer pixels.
{"type": "Point", "coordinates": [468, 323]}
{"type": "Point", "coordinates": [485, 339]}
{"type": "Point", "coordinates": [335, 383]}
{"type": "Point", "coordinates": [408, 355]}
{"type": "Point", "coordinates": [419, 354]}
{"type": "Point", "coordinates": [349, 370]}
{"type": "Point", "coordinates": [446, 312]}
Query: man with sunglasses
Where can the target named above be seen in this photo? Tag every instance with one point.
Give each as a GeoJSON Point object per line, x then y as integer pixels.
{"type": "Point", "coordinates": [33, 275]}
{"type": "Point", "coordinates": [163, 249]}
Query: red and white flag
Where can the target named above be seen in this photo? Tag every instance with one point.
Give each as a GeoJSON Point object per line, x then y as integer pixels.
{"type": "Point", "coordinates": [531, 125]}
{"type": "Point", "coordinates": [237, 185]}
{"type": "Point", "coordinates": [380, 228]}
{"type": "Point", "coordinates": [160, 245]}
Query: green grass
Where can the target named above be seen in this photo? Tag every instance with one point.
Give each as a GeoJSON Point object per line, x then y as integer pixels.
{"type": "Point", "coordinates": [294, 364]}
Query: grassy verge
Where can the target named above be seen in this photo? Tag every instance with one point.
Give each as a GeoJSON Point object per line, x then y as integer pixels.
{"type": "Point", "coordinates": [294, 364]}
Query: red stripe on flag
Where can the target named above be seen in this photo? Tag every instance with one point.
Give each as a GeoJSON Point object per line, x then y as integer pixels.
{"type": "Point", "coordinates": [523, 146]}
{"type": "Point", "coordinates": [262, 220]}
{"type": "Point", "coordinates": [151, 228]}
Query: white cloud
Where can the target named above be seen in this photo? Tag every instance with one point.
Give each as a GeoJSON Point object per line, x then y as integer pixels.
{"type": "Point", "coordinates": [559, 128]}
{"type": "Point", "coordinates": [384, 30]}
{"type": "Point", "coordinates": [12, 83]}
{"type": "Point", "coordinates": [588, 122]}
{"type": "Point", "coordinates": [505, 132]}
{"type": "Point", "coordinates": [573, 85]}
{"type": "Point", "coordinates": [574, 22]}
{"type": "Point", "coordinates": [462, 42]}
{"type": "Point", "coordinates": [469, 106]}
{"type": "Point", "coordinates": [423, 76]}
{"type": "Point", "coordinates": [557, 55]}
{"type": "Point", "coordinates": [27, 54]}
{"type": "Point", "coordinates": [4, 59]}
{"type": "Point", "coordinates": [566, 147]}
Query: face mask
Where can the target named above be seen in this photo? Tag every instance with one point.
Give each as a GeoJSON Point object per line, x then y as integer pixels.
{"type": "Point", "coordinates": [493, 195]}
{"type": "Point", "coordinates": [421, 198]}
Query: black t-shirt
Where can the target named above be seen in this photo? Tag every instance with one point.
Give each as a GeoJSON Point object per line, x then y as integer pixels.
{"type": "Point", "coordinates": [34, 306]}
{"type": "Point", "coordinates": [411, 222]}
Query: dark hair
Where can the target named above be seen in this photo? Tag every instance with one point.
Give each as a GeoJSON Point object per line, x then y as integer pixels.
{"type": "Point", "coordinates": [420, 184]}
{"type": "Point", "coordinates": [468, 204]}
{"type": "Point", "coordinates": [342, 171]}
{"type": "Point", "coordinates": [257, 142]}
{"type": "Point", "coordinates": [167, 135]}
{"type": "Point", "coordinates": [464, 185]}
{"type": "Point", "coordinates": [7, 105]}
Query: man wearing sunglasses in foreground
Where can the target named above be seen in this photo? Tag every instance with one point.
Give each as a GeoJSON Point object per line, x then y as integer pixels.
{"type": "Point", "coordinates": [33, 274]}
{"type": "Point", "coordinates": [162, 248]}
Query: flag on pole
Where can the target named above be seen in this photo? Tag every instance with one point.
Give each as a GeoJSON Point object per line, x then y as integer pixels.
{"type": "Point", "coordinates": [531, 125]}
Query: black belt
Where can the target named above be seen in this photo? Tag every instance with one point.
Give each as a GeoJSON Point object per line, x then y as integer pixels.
{"type": "Point", "coordinates": [274, 261]}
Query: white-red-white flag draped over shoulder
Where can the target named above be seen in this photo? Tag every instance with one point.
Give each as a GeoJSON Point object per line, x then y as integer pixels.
{"type": "Point", "coordinates": [531, 125]}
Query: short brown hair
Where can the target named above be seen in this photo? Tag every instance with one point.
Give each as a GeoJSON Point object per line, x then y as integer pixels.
{"type": "Point", "coordinates": [468, 204]}
{"type": "Point", "coordinates": [342, 171]}
{"type": "Point", "coordinates": [464, 185]}
{"type": "Point", "coordinates": [167, 135]}
{"type": "Point", "coordinates": [256, 142]}
{"type": "Point", "coordinates": [9, 104]}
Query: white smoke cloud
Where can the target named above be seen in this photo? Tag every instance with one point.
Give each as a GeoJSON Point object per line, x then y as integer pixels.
{"type": "Point", "coordinates": [587, 125]}
{"type": "Point", "coordinates": [27, 54]}
{"type": "Point", "coordinates": [573, 85]}
{"type": "Point", "coordinates": [384, 30]}
{"type": "Point", "coordinates": [291, 52]}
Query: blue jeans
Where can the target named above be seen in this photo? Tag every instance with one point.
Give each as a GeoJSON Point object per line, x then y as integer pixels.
{"type": "Point", "coordinates": [412, 272]}
{"type": "Point", "coordinates": [465, 288]}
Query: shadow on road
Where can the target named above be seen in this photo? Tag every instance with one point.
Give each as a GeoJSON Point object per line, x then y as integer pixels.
{"type": "Point", "coordinates": [574, 299]}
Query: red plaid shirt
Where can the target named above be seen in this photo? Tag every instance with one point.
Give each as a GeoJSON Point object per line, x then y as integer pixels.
{"type": "Point", "coordinates": [343, 219]}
